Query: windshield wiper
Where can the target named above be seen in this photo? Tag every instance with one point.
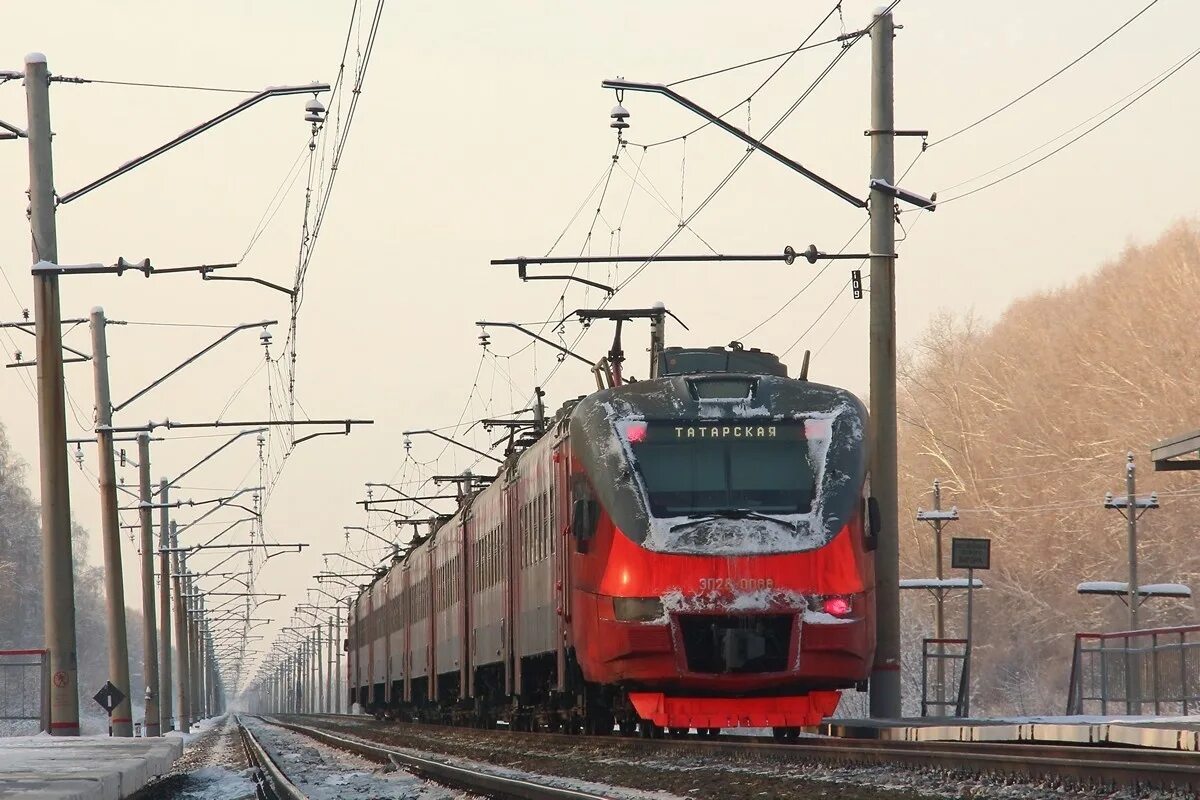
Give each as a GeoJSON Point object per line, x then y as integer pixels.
{"type": "Point", "coordinates": [736, 513]}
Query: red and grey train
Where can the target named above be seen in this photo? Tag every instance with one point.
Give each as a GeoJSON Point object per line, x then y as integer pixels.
{"type": "Point", "coordinates": [688, 551]}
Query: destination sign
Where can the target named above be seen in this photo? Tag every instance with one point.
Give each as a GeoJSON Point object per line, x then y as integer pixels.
{"type": "Point", "coordinates": [726, 431]}
{"type": "Point", "coordinates": [671, 431]}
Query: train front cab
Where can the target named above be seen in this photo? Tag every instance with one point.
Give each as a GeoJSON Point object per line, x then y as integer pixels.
{"type": "Point", "coordinates": [690, 591]}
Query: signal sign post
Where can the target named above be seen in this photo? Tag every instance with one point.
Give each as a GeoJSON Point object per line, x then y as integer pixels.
{"type": "Point", "coordinates": [969, 554]}
{"type": "Point", "coordinates": [108, 698]}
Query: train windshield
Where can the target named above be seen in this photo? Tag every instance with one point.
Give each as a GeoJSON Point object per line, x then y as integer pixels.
{"type": "Point", "coordinates": [715, 467]}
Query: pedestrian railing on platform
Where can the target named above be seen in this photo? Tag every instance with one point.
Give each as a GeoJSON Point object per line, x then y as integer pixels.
{"type": "Point", "coordinates": [24, 691]}
{"type": "Point", "coordinates": [1154, 671]}
{"type": "Point", "coordinates": [943, 689]}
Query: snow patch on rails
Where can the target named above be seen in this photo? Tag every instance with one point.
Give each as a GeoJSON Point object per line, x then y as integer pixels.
{"type": "Point", "coordinates": [292, 768]}
{"type": "Point", "coordinates": [478, 778]}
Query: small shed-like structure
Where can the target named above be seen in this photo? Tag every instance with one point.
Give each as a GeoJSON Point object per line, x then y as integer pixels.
{"type": "Point", "coordinates": [1172, 454]}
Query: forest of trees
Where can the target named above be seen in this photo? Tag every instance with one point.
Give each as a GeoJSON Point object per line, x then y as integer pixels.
{"type": "Point", "coordinates": [21, 591]}
{"type": "Point", "coordinates": [1027, 422]}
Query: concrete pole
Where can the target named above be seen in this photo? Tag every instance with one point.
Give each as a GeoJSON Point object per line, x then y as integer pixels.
{"type": "Point", "coordinates": [121, 719]}
{"type": "Point", "coordinates": [149, 617]}
{"type": "Point", "coordinates": [330, 683]}
{"type": "Point", "coordinates": [885, 674]}
{"type": "Point", "coordinates": [339, 707]}
{"type": "Point", "coordinates": [210, 671]}
{"type": "Point", "coordinates": [202, 651]}
{"type": "Point", "coordinates": [165, 706]}
{"type": "Point", "coordinates": [58, 578]}
{"type": "Point", "coordinates": [1131, 532]}
{"type": "Point", "coordinates": [193, 607]}
{"type": "Point", "coordinates": [1134, 706]}
{"type": "Point", "coordinates": [179, 565]}
{"type": "Point", "coordinates": [319, 705]}
{"type": "Point", "coordinates": [309, 674]}
{"type": "Point", "coordinates": [939, 611]}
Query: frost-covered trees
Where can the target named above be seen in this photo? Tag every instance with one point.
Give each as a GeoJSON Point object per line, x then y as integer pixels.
{"type": "Point", "coordinates": [1027, 422]}
{"type": "Point", "coordinates": [21, 585]}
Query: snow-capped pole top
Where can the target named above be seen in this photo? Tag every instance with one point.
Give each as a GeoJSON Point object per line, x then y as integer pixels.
{"type": "Point", "coordinates": [35, 58]}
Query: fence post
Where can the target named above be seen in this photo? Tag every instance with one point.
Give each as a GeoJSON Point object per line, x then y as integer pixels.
{"type": "Point", "coordinates": [1104, 676]}
{"type": "Point", "coordinates": [46, 691]}
{"type": "Point", "coordinates": [924, 677]}
{"type": "Point", "coordinates": [1073, 691]}
{"type": "Point", "coordinates": [1183, 672]}
{"type": "Point", "coordinates": [1154, 670]}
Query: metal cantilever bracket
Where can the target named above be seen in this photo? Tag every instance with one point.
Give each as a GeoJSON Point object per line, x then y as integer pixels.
{"type": "Point", "coordinates": [249, 102]}
{"type": "Point", "coordinates": [522, 273]}
{"type": "Point", "coordinates": [248, 279]}
{"type": "Point", "coordinates": [671, 94]}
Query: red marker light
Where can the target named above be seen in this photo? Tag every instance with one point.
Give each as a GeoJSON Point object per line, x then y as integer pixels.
{"type": "Point", "coordinates": [636, 432]}
{"type": "Point", "coordinates": [837, 606]}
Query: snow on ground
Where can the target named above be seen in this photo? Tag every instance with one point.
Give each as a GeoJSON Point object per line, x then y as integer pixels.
{"type": "Point", "coordinates": [300, 744]}
{"type": "Point", "coordinates": [212, 767]}
{"type": "Point", "coordinates": [931, 782]}
{"type": "Point", "coordinates": [324, 773]}
{"type": "Point", "coordinates": [217, 783]}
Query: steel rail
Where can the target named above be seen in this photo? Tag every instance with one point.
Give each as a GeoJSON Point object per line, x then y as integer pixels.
{"type": "Point", "coordinates": [1087, 764]}
{"type": "Point", "coordinates": [441, 771]}
{"type": "Point", "coordinates": [269, 776]}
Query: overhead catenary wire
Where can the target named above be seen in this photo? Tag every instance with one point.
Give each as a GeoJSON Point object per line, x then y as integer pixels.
{"type": "Point", "coordinates": [790, 55]}
{"type": "Point", "coordinates": [754, 62]}
{"type": "Point", "coordinates": [152, 85]}
{"type": "Point", "coordinates": [1154, 85]}
{"type": "Point", "coordinates": [841, 289]}
{"type": "Point", "coordinates": [736, 167]}
{"type": "Point", "coordinates": [807, 285]}
{"type": "Point", "coordinates": [1047, 80]}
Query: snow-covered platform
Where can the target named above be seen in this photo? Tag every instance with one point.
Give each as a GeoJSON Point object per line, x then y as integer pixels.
{"type": "Point", "coordinates": [84, 768]}
{"type": "Point", "coordinates": [1171, 733]}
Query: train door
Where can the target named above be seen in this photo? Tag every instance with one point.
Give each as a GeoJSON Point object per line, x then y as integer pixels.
{"type": "Point", "coordinates": [464, 561]}
{"type": "Point", "coordinates": [509, 538]}
{"type": "Point", "coordinates": [560, 539]}
{"type": "Point", "coordinates": [386, 623]}
{"type": "Point", "coordinates": [370, 630]}
{"type": "Point", "coordinates": [407, 615]}
{"type": "Point", "coordinates": [430, 628]}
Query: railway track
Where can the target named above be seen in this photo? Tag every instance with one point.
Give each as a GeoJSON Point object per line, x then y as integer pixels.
{"type": "Point", "coordinates": [1079, 764]}
{"type": "Point", "coordinates": [456, 776]}
{"type": "Point", "coordinates": [272, 782]}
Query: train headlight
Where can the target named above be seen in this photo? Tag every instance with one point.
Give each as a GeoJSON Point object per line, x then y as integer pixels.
{"type": "Point", "coordinates": [837, 606]}
{"type": "Point", "coordinates": [840, 606]}
{"type": "Point", "coordinates": [638, 609]}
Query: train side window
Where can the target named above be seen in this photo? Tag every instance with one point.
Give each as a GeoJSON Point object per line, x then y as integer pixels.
{"type": "Point", "coordinates": [544, 521]}
{"type": "Point", "coordinates": [550, 519]}
{"type": "Point", "coordinates": [541, 522]}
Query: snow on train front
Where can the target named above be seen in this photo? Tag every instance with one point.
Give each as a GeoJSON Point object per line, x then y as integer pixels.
{"type": "Point", "coordinates": [722, 575]}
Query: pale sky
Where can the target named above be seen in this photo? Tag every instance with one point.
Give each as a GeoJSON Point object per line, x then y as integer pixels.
{"type": "Point", "coordinates": [481, 129]}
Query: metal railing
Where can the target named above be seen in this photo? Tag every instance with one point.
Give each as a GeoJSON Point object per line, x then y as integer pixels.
{"type": "Point", "coordinates": [24, 689]}
{"type": "Point", "coordinates": [943, 688]}
{"type": "Point", "coordinates": [1129, 672]}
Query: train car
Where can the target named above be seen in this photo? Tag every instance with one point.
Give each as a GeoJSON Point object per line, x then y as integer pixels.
{"type": "Point", "coordinates": [688, 551]}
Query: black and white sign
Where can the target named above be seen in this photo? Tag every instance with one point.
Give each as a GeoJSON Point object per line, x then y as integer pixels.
{"type": "Point", "coordinates": [109, 697]}
{"type": "Point", "coordinates": [970, 553]}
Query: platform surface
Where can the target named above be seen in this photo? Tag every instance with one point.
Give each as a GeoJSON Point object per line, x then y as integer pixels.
{"type": "Point", "coordinates": [1171, 733]}
{"type": "Point", "coordinates": [83, 768]}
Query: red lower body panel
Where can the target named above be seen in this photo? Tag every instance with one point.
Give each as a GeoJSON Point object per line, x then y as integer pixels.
{"type": "Point", "coordinates": [728, 712]}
